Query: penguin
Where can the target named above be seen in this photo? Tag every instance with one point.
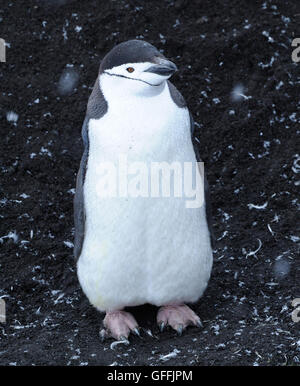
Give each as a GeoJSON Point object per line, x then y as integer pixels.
{"type": "Point", "coordinates": [132, 251]}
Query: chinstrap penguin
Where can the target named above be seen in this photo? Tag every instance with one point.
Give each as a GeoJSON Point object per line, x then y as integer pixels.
{"type": "Point", "coordinates": [135, 250]}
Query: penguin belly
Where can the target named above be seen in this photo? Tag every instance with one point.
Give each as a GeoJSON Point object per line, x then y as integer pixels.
{"type": "Point", "coordinates": [139, 250]}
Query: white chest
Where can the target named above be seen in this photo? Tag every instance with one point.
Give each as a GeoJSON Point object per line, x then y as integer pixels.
{"type": "Point", "coordinates": [142, 128]}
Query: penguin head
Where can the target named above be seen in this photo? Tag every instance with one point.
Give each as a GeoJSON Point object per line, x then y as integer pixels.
{"type": "Point", "coordinates": [137, 66]}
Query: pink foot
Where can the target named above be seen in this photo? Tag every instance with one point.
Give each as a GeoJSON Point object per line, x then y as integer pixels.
{"type": "Point", "coordinates": [178, 317]}
{"type": "Point", "coordinates": [118, 324]}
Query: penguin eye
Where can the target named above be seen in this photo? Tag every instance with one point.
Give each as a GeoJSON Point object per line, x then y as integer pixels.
{"type": "Point", "coordinates": [130, 69]}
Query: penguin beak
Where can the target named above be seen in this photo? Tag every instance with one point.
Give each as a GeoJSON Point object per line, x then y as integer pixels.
{"type": "Point", "coordinates": [164, 68]}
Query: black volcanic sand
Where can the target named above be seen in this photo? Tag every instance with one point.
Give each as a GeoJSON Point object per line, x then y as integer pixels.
{"type": "Point", "coordinates": [249, 146]}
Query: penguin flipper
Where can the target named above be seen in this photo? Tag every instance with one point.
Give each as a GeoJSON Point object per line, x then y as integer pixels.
{"type": "Point", "coordinates": [79, 211]}
{"type": "Point", "coordinates": [206, 187]}
{"type": "Point", "coordinates": [96, 108]}
{"type": "Point", "coordinates": [176, 96]}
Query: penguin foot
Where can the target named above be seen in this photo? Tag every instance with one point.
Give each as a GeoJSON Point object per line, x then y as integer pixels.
{"type": "Point", "coordinates": [119, 324]}
{"type": "Point", "coordinates": [178, 317]}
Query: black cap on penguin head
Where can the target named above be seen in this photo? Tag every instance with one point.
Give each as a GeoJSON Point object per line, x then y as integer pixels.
{"type": "Point", "coordinates": [132, 51]}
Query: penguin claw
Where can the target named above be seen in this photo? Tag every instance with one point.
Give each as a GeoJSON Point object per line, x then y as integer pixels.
{"type": "Point", "coordinates": [199, 323]}
{"type": "Point", "coordinates": [162, 326]}
{"type": "Point", "coordinates": [149, 333]}
{"type": "Point", "coordinates": [179, 329]}
{"type": "Point", "coordinates": [137, 332]}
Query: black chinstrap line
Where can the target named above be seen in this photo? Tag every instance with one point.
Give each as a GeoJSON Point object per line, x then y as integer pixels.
{"type": "Point", "coordinates": [126, 77]}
